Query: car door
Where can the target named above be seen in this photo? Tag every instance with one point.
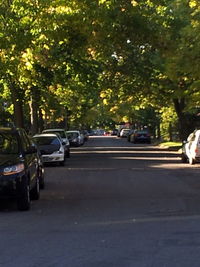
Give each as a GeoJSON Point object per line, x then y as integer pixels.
{"type": "Point", "coordinates": [188, 145]}
{"type": "Point", "coordinates": [31, 158]}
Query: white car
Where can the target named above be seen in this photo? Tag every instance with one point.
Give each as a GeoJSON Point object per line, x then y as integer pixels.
{"type": "Point", "coordinates": [191, 148]}
{"type": "Point", "coordinates": [50, 147]}
{"type": "Point", "coordinates": [75, 138]}
{"type": "Point", "coordinates": [124, 132]}
{"type": "Point", "coordinates": [62, 134]}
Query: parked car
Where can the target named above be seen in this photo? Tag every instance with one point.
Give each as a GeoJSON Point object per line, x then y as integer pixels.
{"type": "Point", "coordinates": [75, 138]}
{"type": "Point", "coordinates": [64, 138]}
{"type": "Point", "coordinates": [85, 134]}
{"type": "Point", "coordinates": [124, 132]}
{"type": "Point", "coordinates": [129, 134]}
{"type": "Point", "coordinates": [51, 148]}
{"type": "Point", "coordinates": [114, 132]}
{"type": "Point", "coordinates": [142, 136]}
{"type": "Point", "coordinates": [19, 167]}
{"type": "Point", "coordinates": [41, 172]}
{"type": "Point", "coordinates": [191, 148]}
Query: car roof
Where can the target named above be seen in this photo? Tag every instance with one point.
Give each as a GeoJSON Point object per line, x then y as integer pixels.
{"type": "Point", "coordinates": [53, 129]}
{"type": "Point", "coordinates": [46, 135]}
{"type": "Point", "coordinates": [73, 131]}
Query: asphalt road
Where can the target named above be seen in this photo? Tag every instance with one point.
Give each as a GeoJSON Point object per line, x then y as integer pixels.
{"type": "Point", "coordinates": [114, 204]}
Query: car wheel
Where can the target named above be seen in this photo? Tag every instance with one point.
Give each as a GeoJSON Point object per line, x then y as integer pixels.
{"type": "Point", "coordinates": [191, 161]}
{"type": "Point", "coordinates": [62, 163]}
{"type": "Point", "coordinates": [41, 179]}
{"type": "Point", "coordinates": [35, 192]}
{"type": "Point", "coordinates": [23, 200]}
{"type": "Point", "coordinates": [183, 158]}
{"type": "Point", "coordinates": [68, 154]}
{"type": "Point", "coordinates": [42, 183]}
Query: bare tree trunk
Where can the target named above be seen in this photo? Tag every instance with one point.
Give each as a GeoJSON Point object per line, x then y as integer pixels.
{"type": "Point", "coordinates": [34, 115]}
{"type": "Point", "coordinates": [40, 121]}
{"type": "Point", "coordinates": [179, 105]}
{"type": "Point", "coordinates": [18, 106]}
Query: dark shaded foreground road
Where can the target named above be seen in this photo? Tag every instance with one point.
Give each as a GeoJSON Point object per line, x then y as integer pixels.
{"type": "Point", "coordinates": [113, 204]}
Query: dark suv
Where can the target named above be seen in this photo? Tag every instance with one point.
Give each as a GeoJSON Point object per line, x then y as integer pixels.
{"type": "Point", "coordinates": [20, 169]}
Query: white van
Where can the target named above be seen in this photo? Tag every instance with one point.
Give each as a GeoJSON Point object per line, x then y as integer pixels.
{"type": "Point", "coordinates": [191, 148]}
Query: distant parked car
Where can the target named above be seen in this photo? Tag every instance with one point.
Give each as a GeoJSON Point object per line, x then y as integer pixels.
{"type": "Point", "coordinates": [129, 134]}
{"type": "Point", "coordinates": [191, 148]}
{"type": "Point", "coordinates": [114, 132]}
{"type": "Point", "coordinates": [124, 132]}
{"type": "Point", "coordinates": [85, 134]}
{"type": "Point", "coordinates": [62, 134]}
{"type": "Point", "coordinates": [19, 167]}
{"type": "Point", "coordinates": [142, 136]}
{"type": "Point", "coordinates": [75, 138]}
{"type": "Point", "coordinates": [51, 148]}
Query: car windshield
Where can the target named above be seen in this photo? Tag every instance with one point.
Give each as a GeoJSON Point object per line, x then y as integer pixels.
{"type": "Point", "coordinates": [72, 135]}
{"type": "Point", "coordinates": [8, 144]}
{"type": "Point", "coordinates": [46, 140]}
{"type": "Point", "coordinates": [142, 132]}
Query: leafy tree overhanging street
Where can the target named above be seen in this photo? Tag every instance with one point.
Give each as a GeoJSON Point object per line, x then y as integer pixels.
{"type": "Point", "coordinates": [89, 63]}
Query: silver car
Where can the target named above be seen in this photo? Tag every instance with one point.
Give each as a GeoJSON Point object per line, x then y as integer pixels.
{"type": "Point", "coordinates": [63, 136]}
{"type": "Point", "coordinates": [191, 148]}
{"type": "Point", "coordinates": [75, 138]}
{"type": "Point", "coordinates": [50, 147]}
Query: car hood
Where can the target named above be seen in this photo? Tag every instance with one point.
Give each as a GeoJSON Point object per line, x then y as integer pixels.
{"type": "Point", "coordinates": [48, 149]}
{"type": "Point", "coordinates": [8, 160]}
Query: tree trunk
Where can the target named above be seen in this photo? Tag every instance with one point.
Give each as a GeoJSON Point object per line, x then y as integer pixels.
{"type": "Point", "coordinates": [18, 106]}
{"type": "Point", "coordinates": [34, 115]}
{"type": "Point", "coordinates": [170, 132]}
{"type": "Point", "coordinates": [179, 105]}
{"type": "Point", "coordinates": [40, 121]}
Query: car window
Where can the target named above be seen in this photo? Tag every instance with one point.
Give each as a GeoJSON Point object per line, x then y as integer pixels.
{"type": "Point", "coordinates": [61, 133]}
{"type": "Point", "coordinates": [25, 141]}
{"type": "Point", "coordinates": [8, 144]}
{"type": "Point", "coordinates": [41, 141]}
{"type": "Point", "coordinates": [72, 135]}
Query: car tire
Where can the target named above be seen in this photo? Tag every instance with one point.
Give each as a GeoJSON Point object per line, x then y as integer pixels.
{"type": "Point", "coordinates": [68, 154]}
{"type": "Point", "coordinates": [191, 161]}
{"type": "Point", "coordinates": [41, 179]}
{"type": "Point", "coordinates": [24, 200]}
{"type": "Point", "coordinates": [183, 158]}
{"type": "Point", "coordinates": [42, 182]}
{"type": "Point", "coordinates": [62, 163]}
{"type": "Point", "coordinates": [35, 192]}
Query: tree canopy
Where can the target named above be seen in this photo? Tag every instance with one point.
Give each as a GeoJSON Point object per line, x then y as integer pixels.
{"type": "Point", "coordinates": [73, 63]}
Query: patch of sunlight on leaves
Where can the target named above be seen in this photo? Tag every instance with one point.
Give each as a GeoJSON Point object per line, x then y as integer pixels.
{"type": "Point", "coordinates": [134, 3]}
{"type": "Point", "coordinates": [193, 3]}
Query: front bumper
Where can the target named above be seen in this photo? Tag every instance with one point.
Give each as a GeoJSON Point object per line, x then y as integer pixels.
{"type": "Point", "coordinates": [52, 158]}
{"type": "Point", "coordinates": [10, 184]}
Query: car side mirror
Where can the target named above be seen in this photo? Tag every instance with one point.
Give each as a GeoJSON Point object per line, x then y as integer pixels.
{"type": "Point", "coordinates": [63, 143]}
